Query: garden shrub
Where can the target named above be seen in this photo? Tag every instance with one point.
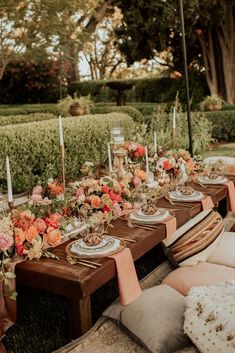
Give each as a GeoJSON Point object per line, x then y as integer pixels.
{"type": "Point", "coordinates": [29, 80]}
{"type": "Point", "coordinates": [24, 109]}
{"type": "Point", "coordinates": [131, 111]}
{"type": "Point", "coordinates": [34, 152]}
{"type": "Point", "coordinates": [223, 123]}
{"type": "Point", "coordinates": [228, 107]}
{"type": "Point", "coordinates": [19, 119]}
{"type": "Point", "coordinates": [161, 122]}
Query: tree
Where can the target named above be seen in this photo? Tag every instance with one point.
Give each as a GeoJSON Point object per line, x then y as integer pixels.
{"type": "Point", "coordinates": [54, 24]}
{"type": "Point", "coordinates": [150, 26]}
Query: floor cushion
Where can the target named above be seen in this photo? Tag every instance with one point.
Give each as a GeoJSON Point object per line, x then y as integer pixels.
{"type": "Point", "coordinates": [196, 240]}
{"type": "Point", "coordinates": [210, 317]}
{"type": "Point", "coordinates": [224, 253]}
{"type": "Point", "coordinates": [184, 278]}
{"type": "Point", "coordinates": [155, 319]}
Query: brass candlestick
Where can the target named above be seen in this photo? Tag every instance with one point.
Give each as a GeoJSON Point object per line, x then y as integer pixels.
{"type": "Point", "coordinates": [119, 155]}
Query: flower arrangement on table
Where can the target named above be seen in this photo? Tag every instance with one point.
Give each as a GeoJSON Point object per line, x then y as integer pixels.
{"type": "Point", "coordinates": [6, 252]}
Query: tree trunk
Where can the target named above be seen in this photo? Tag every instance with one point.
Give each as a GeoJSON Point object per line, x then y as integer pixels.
{"type": "Point", "coordinates": [218, 52]}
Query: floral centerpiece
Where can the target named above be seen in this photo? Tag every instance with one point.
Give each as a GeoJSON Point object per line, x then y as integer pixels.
{"type": "Point", "coordinates": [6, 251]}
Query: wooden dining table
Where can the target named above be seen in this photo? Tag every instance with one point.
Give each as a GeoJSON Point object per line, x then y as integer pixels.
{"type": "Point", "coordinates": [78, 282]}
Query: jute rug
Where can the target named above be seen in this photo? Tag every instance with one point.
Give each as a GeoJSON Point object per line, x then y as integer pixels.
{"type": "Point", "coordinates": [107, 337]}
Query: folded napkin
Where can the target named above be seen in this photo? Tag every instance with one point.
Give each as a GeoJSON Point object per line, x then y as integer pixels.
{"type": "Point", "coordinates": [129, 288]}
{"type": "Point", "coordinates": [7, 306]}
{"type": "Point", "coordinates": [207, 203]}
{"type": "Point", "coordinates": [229, 169]}
{"type": "Point", "coordinates": [231, 195]}
{"type": "Point", "coordinates": [170, 226]}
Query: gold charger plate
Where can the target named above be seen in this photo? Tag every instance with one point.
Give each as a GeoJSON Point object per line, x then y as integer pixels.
{"type": "Point", "coordinates": [121, 246]}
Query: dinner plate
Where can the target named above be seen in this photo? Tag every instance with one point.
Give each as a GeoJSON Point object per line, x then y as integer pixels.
{"type": "Point", "coordinates": [108, 246]}
{"type": "Point", "coordinates": [207, 180]}
{"type": "Point", "coordinates": [159, 212]}
{"type": "Point", "coordinates": [178, 196]}
{"type": "Point", "coordinates": [150, 219]}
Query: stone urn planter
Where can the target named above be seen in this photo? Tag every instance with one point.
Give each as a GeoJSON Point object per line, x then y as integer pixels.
{"type": "Point", "coordinates": [76, 109]}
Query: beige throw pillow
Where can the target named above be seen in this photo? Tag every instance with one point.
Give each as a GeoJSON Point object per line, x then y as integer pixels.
{"type": "Point", "coordinates": [155, 319]}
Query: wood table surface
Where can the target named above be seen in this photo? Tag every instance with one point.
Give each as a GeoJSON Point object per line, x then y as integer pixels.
{"type": "Point", "coordinates": [78, 283]}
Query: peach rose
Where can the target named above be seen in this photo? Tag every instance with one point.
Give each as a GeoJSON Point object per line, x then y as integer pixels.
{"type": "Point", "coordinates": [141, 174]}
{"type": "Point", "coordinates": [53, 220]}
{"type": "Point", "coordinates": [127, 206]}
{"type": "Point", "coordinates": [95, 201]}
{"type": "Point", "coordinates": [19, 236]}
{"type": "Point", "coordinates": [31, 234]}
{"type": "Point", "coordinates": [136, 181]}
{"type": "Point", "coordinates": [40, 225]}
{"type": "Point", "coordinates": [53, 236]}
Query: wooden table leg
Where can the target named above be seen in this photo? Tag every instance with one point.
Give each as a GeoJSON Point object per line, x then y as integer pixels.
{"type": "Point", "coordinates": [80, 320]}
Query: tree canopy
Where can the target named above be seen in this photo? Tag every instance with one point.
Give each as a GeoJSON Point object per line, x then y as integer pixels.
{"type": "Point", "coordinates": [154, 26]}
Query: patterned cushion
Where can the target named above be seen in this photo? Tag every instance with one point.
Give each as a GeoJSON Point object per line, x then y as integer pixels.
{"type": "Point", "coordinates": [196, 240]}
{"type": "Point", "coordinates": [209, 318]}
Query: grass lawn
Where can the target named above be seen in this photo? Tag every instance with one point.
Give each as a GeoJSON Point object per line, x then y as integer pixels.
{"type": "Point", "coordinates": [227, 149]}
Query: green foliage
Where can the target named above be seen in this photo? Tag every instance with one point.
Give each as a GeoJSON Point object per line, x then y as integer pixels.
{"type": "Point", "coordinates": [34, 152]}
{"type": "Point", "coordinates": [156, 90]}
{"type": "Point", "coordinates": [209, 102]}
{"type": "Point", "coordinates": [223, 123]}
{"type": "Point", "coordinates": [131, 111]}
{"type": "Point", "coordinates": [228, 107]}
{"type": "Point", "coordinates": [19, 119]}
{"type": "Point", "coordinates": [161, 122]}
{"type": "Point", "coordinates": [25, 109]}
{"type": "Point", "coordinates": [30, 81]}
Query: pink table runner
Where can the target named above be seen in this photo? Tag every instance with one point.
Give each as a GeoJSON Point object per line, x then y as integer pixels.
{"type": "Point", "coordinates": [231, 195]}
{"type": "Point", "coordinates": [129, 288]}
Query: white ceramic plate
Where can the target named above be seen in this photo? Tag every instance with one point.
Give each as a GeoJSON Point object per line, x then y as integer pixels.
{"type": "Point", "coordinates": [177, 196]}
{"type": "Point", "coordinates": [207, 180]}
{"type": "Point", "coordinates": [150, 219]}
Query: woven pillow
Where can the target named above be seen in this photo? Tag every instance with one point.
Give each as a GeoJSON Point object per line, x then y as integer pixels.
{"type": "Point", "coordinates": [155, 319]}
{"type": "Point", "coordinates": [209, 317]}
{"type": "Point", "coordinates": [196, 240]}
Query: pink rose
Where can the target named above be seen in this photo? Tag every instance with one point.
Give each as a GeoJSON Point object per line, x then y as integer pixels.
{"type": "Point", "coordinates": [37, 190]}
{"type": "Point", "coordinates": [136, 181]}
{"type": "Point", "coordinates": [79, 192]}
{"type": "Point", "coordinates": [19, 236]}
{"type": "Point", "coordinates": [36, 197]}
{"type": "Point", "coordinates": [31, 234]}
{"type": "Point", "coordinates": [6, 241]}
{"type": "Point", "coordinates": [40, 225]}
{"type": "Point", "coordinates": [53, 236]}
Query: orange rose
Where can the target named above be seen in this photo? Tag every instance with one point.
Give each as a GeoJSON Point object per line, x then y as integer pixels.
{"type": "Point", "coordinates": [31, 234]}
{"type": "Point", "coordinates": [53, 236]}
{"type": "Point", "coordinates": [19, 236]}
{"type": "Point", "coordinates": [95, 201]}
{"type": "Point", "coordinates": [141, 174]}
{"type": "Point", "coordinates": [56, 189]}
{"type": "Point", "coordinates": [53, 220]}
{"type": "Point", "coordinates": [40, 225]}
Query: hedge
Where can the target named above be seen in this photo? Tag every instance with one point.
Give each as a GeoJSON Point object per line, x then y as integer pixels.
{"type": "Point", "coordinates": [223, 125]}
{"type": "Point", "coordinates": [25, 109]}
{"type": "Point", "coordinates": [34, 152]}
{"type": "Point", "coordinates": [19, 119]}
{"type": "Point", "coordinates": [157, 90]}
{"type": "Point", "coordinates": [131, 111]}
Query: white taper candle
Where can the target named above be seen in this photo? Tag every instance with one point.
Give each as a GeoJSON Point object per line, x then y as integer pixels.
{"type": "Point", "coordinates": [61, 132]}
{"type": "Point", "coordinates": [110, 159]}
{"type": "Point", "coordinates": [147, 161]}
{"type": "Point", "coordinates": [9, 185]}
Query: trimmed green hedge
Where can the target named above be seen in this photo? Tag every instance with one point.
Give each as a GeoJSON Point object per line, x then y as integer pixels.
{"type": "Point", "coordinates": [156, 90]}
{"type": "Point", "coordinates": [223, 124]}
{"type": "Point", "coordinates": [25, 109]}
{"type": "Point", "coordinates": [131, 111]}
{"type": "Point", "coordinates": [20, 119]}
{"type": "Point", "coordinates": [34, 152]}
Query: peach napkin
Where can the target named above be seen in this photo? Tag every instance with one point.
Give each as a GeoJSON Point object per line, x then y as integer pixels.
{"type": "Point", "coordinates": [230, 169]}
{"type": "Point", "coordinates": [170, 226]}
{"type": "Point", "coordinates": [207, 203]}
{"type": "Point", "coordinates": [129, 288]}
{"type": "Point", "coordinates": [231, 195]}
{"type": "Point", "coordinates": [7, 306]}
